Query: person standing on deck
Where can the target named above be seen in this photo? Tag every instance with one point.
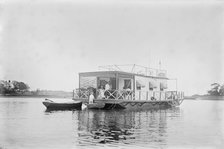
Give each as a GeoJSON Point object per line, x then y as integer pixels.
{"type": "Point", "coordinates": [107, 86]}
{"type": "Point", "coordinates": [107, 89]}
{"type": "Point", "coordinates": [91, 97]}
{"type": "Point", "coordinates": [101, 93]}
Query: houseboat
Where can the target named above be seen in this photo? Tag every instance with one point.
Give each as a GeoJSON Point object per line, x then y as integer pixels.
{"type": "Point", "coordinates": [135, 88]}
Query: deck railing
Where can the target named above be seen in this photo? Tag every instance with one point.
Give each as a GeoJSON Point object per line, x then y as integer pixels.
{"type": "Point", "coordinates": [129, 94]}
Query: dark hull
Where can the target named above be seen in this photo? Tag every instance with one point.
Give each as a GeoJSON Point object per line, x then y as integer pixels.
{"type": "Point", "coordinates": [62, 106]}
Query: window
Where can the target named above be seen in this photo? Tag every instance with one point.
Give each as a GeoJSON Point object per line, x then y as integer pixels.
{"type": "Point", "coordinates": [127, 84]}
{"type": "Point", "coordinates": [86, 82]}
{"type": "Point", "coordinates": [139, 85]}
{"type": "Point", "coordinates": [151, 86]}
{"type": "Point", "coordinates": [104, 81]}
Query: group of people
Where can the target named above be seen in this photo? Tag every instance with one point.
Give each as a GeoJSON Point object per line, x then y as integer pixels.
{"type": "Point", "coordinates": [103, 92]}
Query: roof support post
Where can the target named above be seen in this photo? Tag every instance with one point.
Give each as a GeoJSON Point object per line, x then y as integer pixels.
{"type": "Point", "coordinates": [134, 86]}
{"type": "Point", "coordinates": [117, 81]}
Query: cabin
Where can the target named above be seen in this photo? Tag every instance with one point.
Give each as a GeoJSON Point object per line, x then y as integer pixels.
{"type": "Point", "coordinates": [148, 84]}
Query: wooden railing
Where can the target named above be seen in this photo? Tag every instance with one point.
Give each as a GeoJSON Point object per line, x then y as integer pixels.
{"type": "Point", "coordinates": [129, 95]}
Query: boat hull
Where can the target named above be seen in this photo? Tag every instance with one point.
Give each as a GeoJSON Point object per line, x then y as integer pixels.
{"type": "Point", "coordinates": [96, 106]}
{"type": "Point", "coordinates": [62, 106]}
{"type": "Point", "coordinates": [110, 104]}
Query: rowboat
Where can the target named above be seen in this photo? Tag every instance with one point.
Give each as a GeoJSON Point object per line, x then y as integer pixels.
{"type": "Point", "coordinates": [51, 105]}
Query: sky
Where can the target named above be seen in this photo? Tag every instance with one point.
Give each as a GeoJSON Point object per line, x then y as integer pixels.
{"type": "Point", "coordinates": [47, 43]}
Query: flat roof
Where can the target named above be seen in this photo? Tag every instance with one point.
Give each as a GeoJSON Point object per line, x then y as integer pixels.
{"type": "Point", "coordinates": [116, 73]}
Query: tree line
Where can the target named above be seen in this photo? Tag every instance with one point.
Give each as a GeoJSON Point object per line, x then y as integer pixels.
{"type": "Point", "coordinates": [17, 87]}
{"type": "Point", "coordinates": [216, 89]}
{"type": "Point", "coordinates": [13, 87]}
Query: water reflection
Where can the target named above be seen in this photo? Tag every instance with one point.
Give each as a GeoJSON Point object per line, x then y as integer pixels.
{"type": "Point", "coordinates": [25, 124]}
{"type": "Point", "coordinates": [124, 127]}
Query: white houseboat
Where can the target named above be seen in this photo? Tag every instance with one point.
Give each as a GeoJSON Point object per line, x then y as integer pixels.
{"type": "Point", "coordinates": [119, 88]}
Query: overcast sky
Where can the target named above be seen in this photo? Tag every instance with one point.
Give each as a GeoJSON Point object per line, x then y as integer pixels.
{"type": "Point", "coordinates": [47, 43]}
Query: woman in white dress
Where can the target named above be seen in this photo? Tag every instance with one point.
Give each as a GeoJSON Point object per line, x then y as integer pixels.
{"type": "Point", "coordinates": [101, 93]}
{"type": "Point", "coordinates": [91, 97]}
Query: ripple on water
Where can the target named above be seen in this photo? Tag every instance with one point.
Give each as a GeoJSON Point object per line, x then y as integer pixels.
{"type": "Point", "coordinates": [26, 124]}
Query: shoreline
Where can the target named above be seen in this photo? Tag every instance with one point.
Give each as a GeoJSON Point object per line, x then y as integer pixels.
{"type": "Point", "coordinates": [210, 97]}
{"type": "Point", "coordinates": [35, 96]}
{"type": "Point", "coordinates": [204, 97]}
{"type": "Point", "coordinates": [199, 97]}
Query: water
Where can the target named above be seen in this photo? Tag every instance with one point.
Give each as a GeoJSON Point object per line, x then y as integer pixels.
{"type": "Point", "coordinates": [25, 124]}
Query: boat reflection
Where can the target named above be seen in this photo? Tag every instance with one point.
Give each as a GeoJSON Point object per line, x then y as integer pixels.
{"type": "Point", "coordinates": [123, 126]}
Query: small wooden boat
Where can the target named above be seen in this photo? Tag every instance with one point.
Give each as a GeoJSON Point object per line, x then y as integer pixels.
{"type": "Point", "coordinates": [51, 105]}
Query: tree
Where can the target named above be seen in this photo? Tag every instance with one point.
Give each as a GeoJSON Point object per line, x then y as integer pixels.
{"type": "Point", "coordinates": [12, 87]}
{"type": "Point", "coordinates": [216, 89]}
{"type": "Point", "coordinates": [221, 90]}
{"type": "Point", "coordinates": [6, 87]}
{"type": "Point", "coordinates": [2, 89]}
{"type": "Point", "coordinates": [20, 87]}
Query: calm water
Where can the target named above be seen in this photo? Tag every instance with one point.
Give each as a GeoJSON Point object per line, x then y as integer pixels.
{"type": "Point", "coordinates": [25, 124]}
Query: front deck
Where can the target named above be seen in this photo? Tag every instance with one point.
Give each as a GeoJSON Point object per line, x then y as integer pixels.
{"type": "Point", "coordinates": [119, 100]}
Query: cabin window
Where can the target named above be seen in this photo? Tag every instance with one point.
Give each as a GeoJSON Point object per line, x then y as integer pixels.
{"type": "Point", "coordinates": [113, 83]}
{"type": "Point", "coordinates": [151, 86]}
{"type": "Point", "coordinates": [163, 86]}
{"type": "Point", "coordinates": [88, 82]}
{"type": "Point", "coordinates": [139, 85]}
{"type": "Point", "coordinates": [103, 81]}
{"type": "Point", "coordinates": [127, 84]}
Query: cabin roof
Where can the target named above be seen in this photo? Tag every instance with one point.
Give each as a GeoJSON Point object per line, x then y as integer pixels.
{"type": "Point", "coordinates": [116, 73]}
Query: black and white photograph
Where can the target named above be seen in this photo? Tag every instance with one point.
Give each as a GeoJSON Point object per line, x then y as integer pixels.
{"type": "Point", "coordinates": [96, 74]}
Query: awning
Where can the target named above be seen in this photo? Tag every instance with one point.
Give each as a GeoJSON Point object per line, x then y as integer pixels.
{"type": "Point", "coordinates": [152, 84]}
{"type": "Point", "coordinates": [163, 85]}
{"type": "Point", "coordinates": [139, 83]}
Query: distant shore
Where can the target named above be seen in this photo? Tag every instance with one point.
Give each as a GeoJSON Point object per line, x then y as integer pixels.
{"type": "Point", "coordinates": [204, 97]}
{"type": "Point", "coordinates": [69, 95]}
{"type": "Point", "coordinates": [35, 96]}
{"type": "Point", "coordinates": [210, 97]}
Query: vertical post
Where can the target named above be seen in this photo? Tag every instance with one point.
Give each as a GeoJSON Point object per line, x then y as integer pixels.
{"type": "Point", "coordinates": [73, 94]}
{"type": "Point", "coordinates": [160, 95]}
{"type": "Point", "coordinates": [117, 81]}
{"type": "Point", "coordinates": [147, 94]}
{"type": "Point", "coordinates": [132, 96]}
{"type": "Point", "coordinates": [79, 87]}
{"type": "Point", "coordinates": [139, 95]}
{"type": "Point", "coordinates": [134, 87]}
{"type": "Point", "coordinates": [117, 84]}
